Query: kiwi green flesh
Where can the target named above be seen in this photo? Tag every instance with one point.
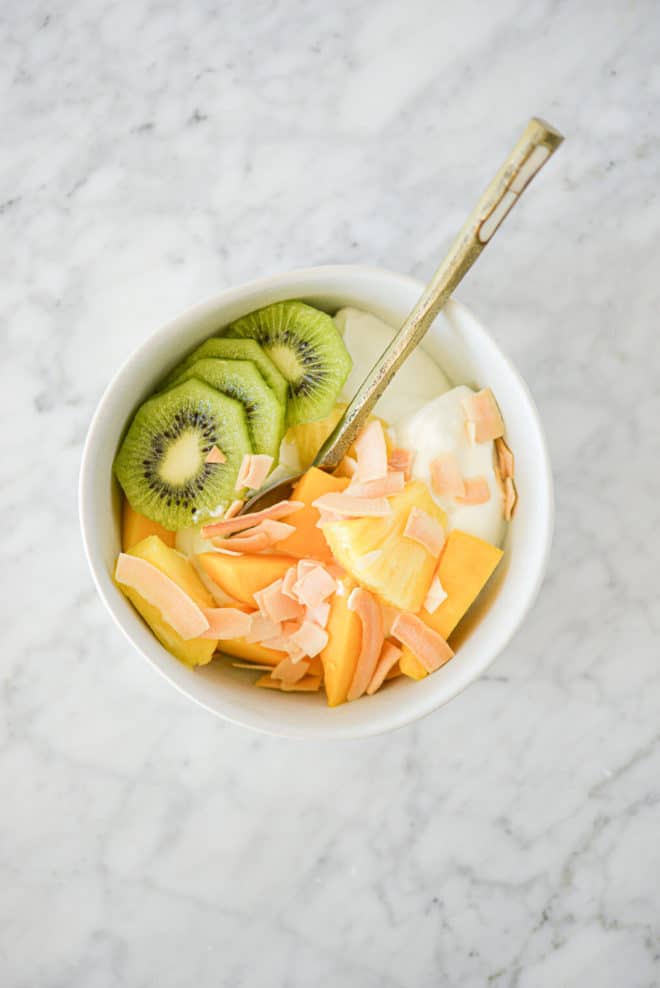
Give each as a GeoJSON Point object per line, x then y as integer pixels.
{"type": "Point", "coordinates": [307, 349]}
{"type": "Point", "coordinates": [222, 348]}
{"type": "Point", "coordinates": [161, 464]}
{"type": "Point", "coordinates": [241, 380]}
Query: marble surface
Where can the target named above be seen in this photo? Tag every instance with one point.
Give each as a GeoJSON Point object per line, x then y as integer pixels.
{"type": "Point", "coordinates": [157, 152]}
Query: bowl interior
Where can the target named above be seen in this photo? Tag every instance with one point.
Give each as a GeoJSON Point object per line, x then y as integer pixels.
{"type": "Point", "coordinates": [469, 356]}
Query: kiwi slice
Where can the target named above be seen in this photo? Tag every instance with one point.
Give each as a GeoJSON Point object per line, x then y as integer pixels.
{"type": "Point", "coordinates": [225, 349]}
{"type": "Point", "coordinates": [241, 380]}
{"type": "Point", "coordinates": [305, 345]}
{"type": "Point", "coordinates": [161, 463]}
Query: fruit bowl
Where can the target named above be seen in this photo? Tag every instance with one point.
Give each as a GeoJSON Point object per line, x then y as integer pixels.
{"type": "Point", "coordinates": [468, 354]}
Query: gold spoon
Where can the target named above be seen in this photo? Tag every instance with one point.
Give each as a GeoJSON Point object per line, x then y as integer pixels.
{"type": "Point", "coordinates": [538, 141]}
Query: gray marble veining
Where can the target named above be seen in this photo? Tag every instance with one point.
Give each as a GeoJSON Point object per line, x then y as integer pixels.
{"type": "Point", "coordinates": [157, 152]}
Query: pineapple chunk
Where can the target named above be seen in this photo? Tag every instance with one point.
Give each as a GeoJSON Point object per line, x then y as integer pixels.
{"type": "Point", "coordinates": [195, 651]}
{"type": "Point", "coordinates": [310, 436]}
{"type": "Point", "coordinates": [378, 555]}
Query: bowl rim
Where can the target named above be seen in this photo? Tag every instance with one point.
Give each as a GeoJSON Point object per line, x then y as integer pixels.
{"type": "Point", "coordinates": [427, 702]}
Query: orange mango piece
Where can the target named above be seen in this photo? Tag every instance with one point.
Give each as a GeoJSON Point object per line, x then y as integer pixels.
{"type": "Point", "coordinates": [308, 541]}
{"type": "Point", "coordinates": [250, 651]}
{"type": "Point", "coordinates": [465, 566]}
{"type": "Point", "coordinates": [410, 665]}
{"type": "Point", "coordinates": [242, 576]}
{"type": "Point", "coordinates": [135, 527]}
{"type": "Point", "coordinates": [340, 655]}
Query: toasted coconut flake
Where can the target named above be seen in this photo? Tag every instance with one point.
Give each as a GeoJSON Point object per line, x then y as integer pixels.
{"type": "Point", "coordinates": [348, 506]}
{"type": "Point", "coordinates": [233, 509]}
{"type": "Point", "coordinates": [262, 628]}
{"type": "Point", "coordinates": [505, 460]}
{"type": "Point", "coordinates": [389, 656]}
{"type": "Point", "coordinates": [275, 530]}
{"type": "Point", "coordinates": [289, 581]}
{"type": "Point", "coordinates": [483, 413]}
{"type": "Point", "coordinates": [251, 542]}
{"type": "Point", "coordinates": [446, 477]}
{"type": "Point", "coordinates": [215, 455]}
{"type": "Point", "coordinates": [254, 469]}
{"type": "Point", "coordinates": [178, 609]}
{"type": "Point", "coordinates": [510, 498]}
{"type": "Point", "coordinates": [238, 523]}
{"type": "Point", "coordinates": [254, 666]}
{"type": "Point", "coordinates": [401, 459]}
{"type": "Point", "coordinates": [435, 596]}
{"type": "Point", "coordinates": [310, 638]}
{"type": "Point", "coordinates": [318, 614]}
{"type": "Point", "coordinates": [430, 648]}
{"type": "Point", "coordinates": [425, 530]}
{"type": "Point", "coordinates": [226, 622]}
{"type": "Point", "coordinates": [392, 483]}
{"type": "Point", "coordinates": [315, 586]}
{"type": "Point", "coordinates": [371, 451]}
{"type": "Point", "coordinates": [368, 610]}
{"type": "Point", "coordinates": [276, 605]}
{"type": "Point", "coordinates": [289, 672]}
{"type": "Point", "coordinates": [477, 491]}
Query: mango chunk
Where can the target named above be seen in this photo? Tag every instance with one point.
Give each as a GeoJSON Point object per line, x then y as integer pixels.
{"type": "Point", "coordinates": [308, 541]}
{"type": "Point", "coordinates": [250, 651]}
{"type": "Point", "coordinates": [465, 566]}
{"type": "Point", "coordinates": [135, 527]}
{"type": "Point", "coordinates": [242, 576]}
{"type": "Point", "coordinates": [340, 655]}
{"type": "Point", "coordinates": [195, 651]}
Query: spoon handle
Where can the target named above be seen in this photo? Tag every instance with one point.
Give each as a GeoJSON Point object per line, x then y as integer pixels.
{"type": "Point", "coordinates": [537, 143]}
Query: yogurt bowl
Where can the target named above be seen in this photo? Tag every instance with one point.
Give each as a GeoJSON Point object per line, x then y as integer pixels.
{"type": "Point", "coordinates": [466, 352]}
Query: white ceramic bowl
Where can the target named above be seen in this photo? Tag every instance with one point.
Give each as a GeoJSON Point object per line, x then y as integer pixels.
{"type": "Point", "coordinates": [461, 345]}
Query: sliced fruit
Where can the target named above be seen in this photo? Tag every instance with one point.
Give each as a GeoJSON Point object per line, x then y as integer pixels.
{"type": "Point", "coordinates": [161, 463]}
{"type": "Point", "coordinates": [305, 346]}
{"type": "Point", "coordinates": [465, 567]}
{"type": "Point", "coordinates": [308, 541]}
{"type": "Point", "coordinates": [176, 608]}
{"type": "Point", "coordinates": [378, 555]}
{"type": "Point", "coordinates": [221, 348]}
{"type": "Point", "coordinates": [195, 651]}
{"type": "Point", "coordinates": [310, 436]}
{"type": "Point", "coordinates": [241, 380]}
{"type": "Point", "coordinates": [340, 656]}
{"type": "Point", "coordinates": [243, 576]}
{"type": "Point", "coordinates": [426, 644]}
{"type": "Point", "coordinates": [308, 684]}
{"type": "Point", "coordinates": [387, 661]}
{"type": "Point", "coordinates": [135, 527]}
{"type": "Point", "coordinates": [372, 636]}
{"type": "Point", "coordinates": [410, 665]}
{"type": "Point", "coordinates": [251, 651]}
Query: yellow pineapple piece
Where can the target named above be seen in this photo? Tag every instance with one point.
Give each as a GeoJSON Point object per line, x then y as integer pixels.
{"type": "Point", "coordinates": [377, 554]}
{"type": "Point", "coordinates": [194, 651]}
{"type": "Point", "coordinates": [310, 436]}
